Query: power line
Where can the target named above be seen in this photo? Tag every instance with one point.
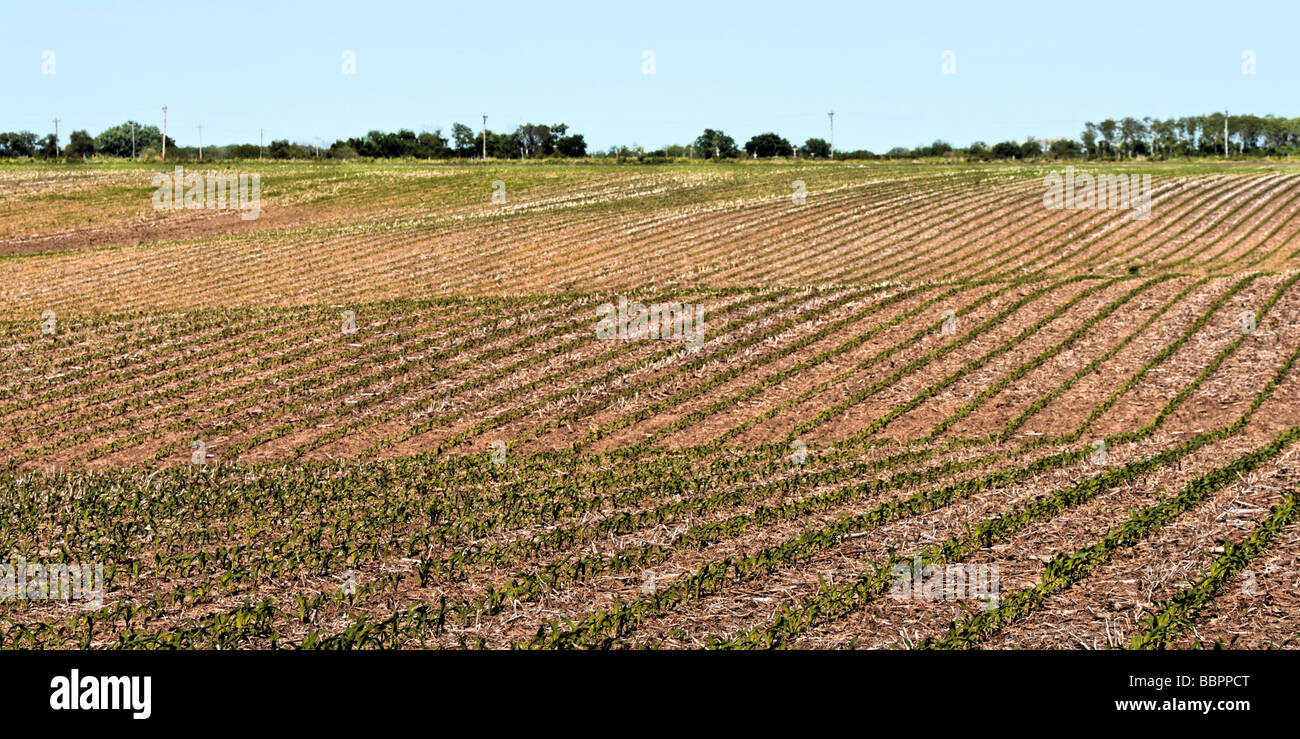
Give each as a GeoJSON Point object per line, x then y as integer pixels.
{"type": "Point", "coordinates": [164, 156]}
{"type": "Point", "coordinates": [56, 137]}
{"type": "Point", "coordinates": [200, 127]}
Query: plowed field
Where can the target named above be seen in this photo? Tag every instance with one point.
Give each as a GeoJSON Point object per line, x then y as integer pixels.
{"type": "Point", "coordinates": [384, 413]}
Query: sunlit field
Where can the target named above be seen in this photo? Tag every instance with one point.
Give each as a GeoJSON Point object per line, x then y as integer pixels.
{"type": "Point", "coordinates": [571, 404]}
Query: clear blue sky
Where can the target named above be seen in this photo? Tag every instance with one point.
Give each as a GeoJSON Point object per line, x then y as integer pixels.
{"type": "Point", "coordinates": [1022, 68]}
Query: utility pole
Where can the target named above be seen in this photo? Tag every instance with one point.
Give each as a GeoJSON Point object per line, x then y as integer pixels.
{"type": "Point", "coordinates": [261, 133]}
{"type": "Point", "coordinates": [133, 139]}
{"type": "Point", "coordinates": [832, 117]}
{"type": "Point", "coordinates": [318, 147]}
{"type": "Point", "coordinates": [200, 127]}
{"type": "Point", "coordinates": [1225, 133]}
{"type": "Point", "coordinates": [164, 133]}
{"type": "Point", "coordinates": [56, 138]}
{"type": "Point", "coordinates": [485, 136]}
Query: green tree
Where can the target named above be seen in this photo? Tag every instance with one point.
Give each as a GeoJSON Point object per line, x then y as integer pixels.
{"type": "Point", "coordinates": [80, 144]}
{"type": "Point", "coordinates": [716, 144]}
{"type": "Point", "coordinates": [1107, 128]}
{"type": "Point", "coordinates": [17, 144]}
{"type": "Point", "coordinates": [815, 149]}
{"type": "Point", "coordinates": [47, 147]}
{"type": "Point", "coordinates": [502, 146]}
{"type": "Point", "coordinates": [342, 150]}
{"type": "Point", "coordinates": [432, 145]}
{"type": "Point", "coordinates": [1164, 137]}
{"type": "Point", "coordinates": [1089, 138]}
{"type": "Point", "coordinates": [116, 141]}
{"type": "Point", "coordinates": [242, 151]}
{"type": "Point", "coordinates": [1065, 149]}
{"type": "Point", "coordinates": [1131, 133]}
{"type": "Point", "coordinates": [937, 149]}
{"type": "Point", "coordinates": [572, 146]}
{"type": "Point", "coordinates": [1249, 129]}
{"type": "Point", "coordinates": [1006, 150]}
{"type": "Point", "coordinates": [557, 132]}
{"type": "Point", "coordinates": [282, 149]}
{"type": "Point", "coordinates": [464, 140]}
{"type": "Point", "coordinates": [768, 145]}
{"type": "Point", "coordinates": [533, 139]}
{"type": "Point", "coordinates": [1212, 142]}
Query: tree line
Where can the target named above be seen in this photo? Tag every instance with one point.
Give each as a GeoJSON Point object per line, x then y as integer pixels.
{"type": "Point", "coordinates": [528, 141]}
{"type": "Point", "coordinates": [1129, 138]}
{"type": "Point", "coordinates": [1126, 138]}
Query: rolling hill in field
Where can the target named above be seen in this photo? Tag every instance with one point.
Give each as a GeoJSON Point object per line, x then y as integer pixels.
{"type": "Point", "coordinates": [383, 413]}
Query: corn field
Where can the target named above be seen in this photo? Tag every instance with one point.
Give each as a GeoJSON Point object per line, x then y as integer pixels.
{"type": "Point", "coordinates": [383, 415]}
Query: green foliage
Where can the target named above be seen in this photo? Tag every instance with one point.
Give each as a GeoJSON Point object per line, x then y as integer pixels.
{"type": "Point", "coordinates": [1005, 150]}
{"type": "Point", "coordinates": [80, 144]}
{"type": "Point", "coordinates": [766, 145]}
{"type": "Point", "coordinates": [404, 143]}
{"type": "Point", "coordinates": [116, 140]}
{"type": "Point", "coordinates": [20, 144]}
{"type": "Point", "coordinates": [715, 145]}
{"type": "Point", "coordinates": [571, 146]}
{"type": "Point", "coordinates": [243, 151]}
{"type": "Point", "coordinates": [282, 149]}
{"type": "Point", "coordinates": [815, 149]}
{"type": "Point", "coordinates": [464, 141]}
